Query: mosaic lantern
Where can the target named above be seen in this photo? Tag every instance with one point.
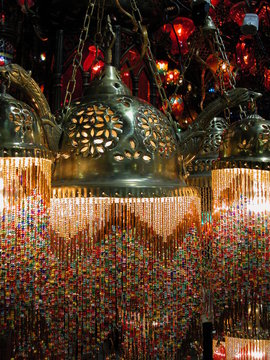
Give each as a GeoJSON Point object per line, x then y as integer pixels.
{"type": "Point", "coordinates": [25, 184]}
{"type": "Point", "coordinates": [124, 226]}
{"type": "Point", "coordinates": [241, 209]}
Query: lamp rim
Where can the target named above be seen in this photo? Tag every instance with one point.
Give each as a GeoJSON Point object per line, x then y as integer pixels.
{"type": "Point", "coordinates": [242, 163]}
{"type": "Point", "coordinates": [127, 192]}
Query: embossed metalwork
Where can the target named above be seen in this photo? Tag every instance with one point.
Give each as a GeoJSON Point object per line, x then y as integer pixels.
{"type": "Point", "coordinates": [200, 168]}
{"type": "Point", "coordinates": [22, 117]}
{"type": "Point", "coordinates": [94, 129]}
{"type": "Point", "coordinates": [23, 81]}
{"type": "Point", "coordinates": [22, 133]}
{"type": "Point", "coordinates": [190, 140]}
{"type": "Point", "coordinates": [246, 144]}
{"type": "Point", "coordinates": [137, 147]}
{"type": "Point", "coordinates": [157, 135]}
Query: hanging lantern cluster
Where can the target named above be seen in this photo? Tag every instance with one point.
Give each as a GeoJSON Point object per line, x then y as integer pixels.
{"type": "Point", "coordinates": [118, 271]}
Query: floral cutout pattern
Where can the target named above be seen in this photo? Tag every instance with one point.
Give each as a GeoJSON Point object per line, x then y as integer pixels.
{"type": "Point", "coordinates": [157, 133]}
{"type": "Point", "coordinates": [94, 129]}
{"type": "Point", "coordinates": [21, 117]}
{"type": "Point", "coordinates": [132, 153]}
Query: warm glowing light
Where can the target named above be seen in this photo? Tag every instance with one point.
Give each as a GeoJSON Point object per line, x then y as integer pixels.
{"type": "Point", "coordinates": [172, 77]}
{"type": "Point", "coordinates": [241, 226]}
{"type": "Point", "coordinates": [182, 28]}
{"type": "Point", "coordinates": [162, 66]}
{"type": "Point", "coordinates": [93, 60]}
{"type": "Point", "coordinates": [266, 79]}
{"type": "Point", "coordinates": [43, 56]}
{"type": "Point", "coordinates": [247, 349]}
{"type": "Point", "coordinates": [24, 248]}
{"type": "Point", "coordinates": [177, 105]}
{"type": "Point", "coordinates": [139, 257]}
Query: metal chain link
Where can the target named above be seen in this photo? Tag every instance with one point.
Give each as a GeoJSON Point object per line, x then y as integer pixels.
{"type": "Point", "coordinates": [221, 48]}
{"type": "Point", "coordinates": [77, 60]}
{"type": "Point", "coordinates": [100, 14]}
{"type": "Point", "coordinates": [166, 105]}
{"type": "Point", "coordinates": [232, 80]}
{"type": "Point", "coordinates": [186, 63]}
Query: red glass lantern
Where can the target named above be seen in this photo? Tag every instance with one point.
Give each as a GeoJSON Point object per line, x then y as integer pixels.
{"type": "Point", "coordinates": [92, 61]}
{"type": "Point", "coordinates": [245, 55]}
{"type": "Point", "coordinates": [177, 105]}
{"type": "Point", "coordinates": [182, 28]}
{"type": "Point", "coordinates": [172, 77]}
{"type": "Point", "coordinates": [238, 12]}
{"type": "Point", "coordinates": [215, 2]}
{"type": "Point", "coordinates": [162, 66]}
{"type": "Point", "coordinates": [219, 67]}
{"type": "Point", "coordinates": [264, 14]}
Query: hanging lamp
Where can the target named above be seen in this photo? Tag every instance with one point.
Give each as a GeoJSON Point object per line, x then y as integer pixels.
{"type": "Point", "coordinates": [123, 215]}
{"type": "Point", "coordinates": [25, 187]}
{"type": "Point", "coordinates": [199, 169]}
{"type": "Point", "coordinates": [241, 210]}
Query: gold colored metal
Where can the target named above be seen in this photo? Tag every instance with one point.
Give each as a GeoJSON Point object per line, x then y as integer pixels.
{"type": "Point", "coordinates": [132, 18]}
{"type": "Point", "coordinates": [115, 142]}
{"type": "Point", "coordinates": [191, 139]}
{"type": "Point", "coordinates": [22, 80]}
{"type": "Point", "coordinates": [79, 52]}
{"type": "Point", "coordinates": [22, 133]}
{"type": "Point", "coordinates": [199, 169]}
{"type": "Point", "coordinates": [246, 144]}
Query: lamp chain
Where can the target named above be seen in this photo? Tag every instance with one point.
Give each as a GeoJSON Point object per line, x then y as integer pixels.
{"type": "Point", "coordinates": [77, 60]}
{"type": "Point", "coordinates": [166, 106]}
{"type": "Point", "coordinates": [221, 48]}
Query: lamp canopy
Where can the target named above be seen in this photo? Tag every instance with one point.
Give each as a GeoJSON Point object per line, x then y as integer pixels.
{"type": "Point", "coordinates": [22, 133]}
{"type": "Point", "coordinates": [200, 168]}
{"type": "Point", "coordinates": [116, 143]}
{"type": "Point", "coordinates": [246, 144]}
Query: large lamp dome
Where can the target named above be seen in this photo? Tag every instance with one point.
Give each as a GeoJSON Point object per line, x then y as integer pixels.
{"type": "Point", "coordinates": [116, 142]}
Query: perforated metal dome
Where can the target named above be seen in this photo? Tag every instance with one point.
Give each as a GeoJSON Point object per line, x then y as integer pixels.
{"type": "Point", "coordinates": [21, 133]}
{"type": "Point", "coordinates": [115, 142]}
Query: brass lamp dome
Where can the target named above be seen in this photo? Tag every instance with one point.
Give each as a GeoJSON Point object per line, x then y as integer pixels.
{"type": "Point", "coordinates": [115, 141]}
{"type": "Point", "coordinates": [246, 145]}
{"type": "Point", "coordinates": [200, 168]}
{"type": "Point", "coordinates": [21, 134]}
